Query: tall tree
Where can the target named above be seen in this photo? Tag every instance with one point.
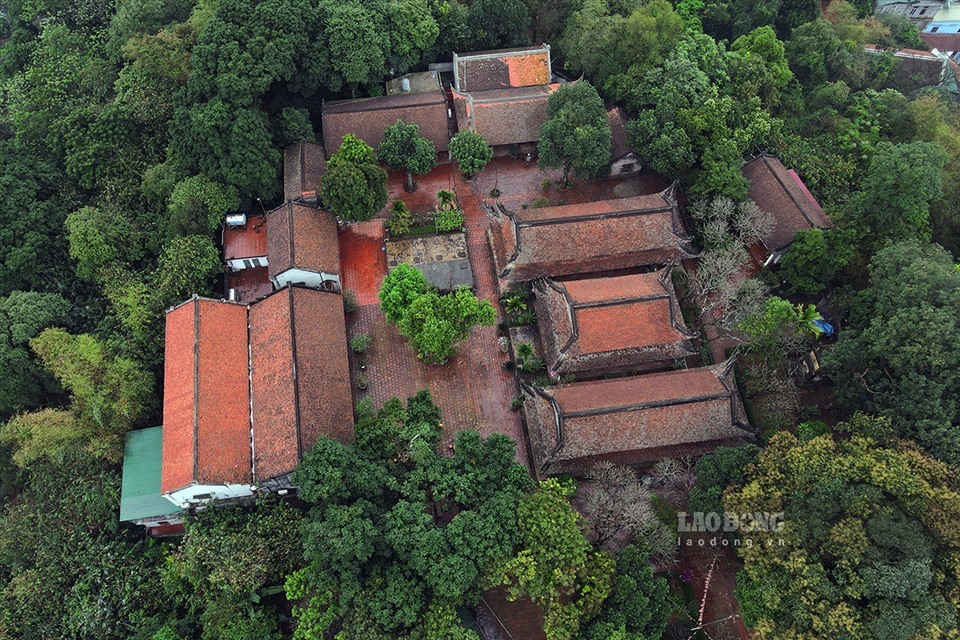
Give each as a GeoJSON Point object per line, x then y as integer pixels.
{"type": "Point", "coordinates": [404, 148]}
{"type": "Point", "coordinates": [867, 539]}
{"type": "Point", "coordinates": [500, 23]}
{"type": "Point", "coordinates": [354, 186]}
{"type": "Point", "coordinates": [901, 352]}
{"type": "Point", "coordinates": [471, 152]}
{"type": "Point", "coordinates": [576, 135]}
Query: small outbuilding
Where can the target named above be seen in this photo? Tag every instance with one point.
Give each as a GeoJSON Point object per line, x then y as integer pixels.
{"type": "Point", "coordinates": [303, 247]}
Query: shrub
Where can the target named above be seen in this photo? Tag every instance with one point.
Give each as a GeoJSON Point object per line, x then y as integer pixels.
{"type": "Point", "coordinates": [449, 220]}
{"type": "Point", "coordinates": [360, 343]}
{"type": "Point", "coordinates": [510, 365]}
{"type": "Point", "coordinates": [495, 193]}
{"type": "Point", "coordinates": [524, 350]}
{"type": "Point", "coordinates": [546, 184]}
{"type": "Point", "coordinates": [517, 404]}
{"type": "Point", "coordinates": [533, 365]}
{"type": "Point", "coordinates": [400, 220]}
{"type": "Point", "coordinates": [541, 202]}
{"type": "Point", "coordinates": [349, 301]}
{"type": "Point", "coordinates": [812, 429]}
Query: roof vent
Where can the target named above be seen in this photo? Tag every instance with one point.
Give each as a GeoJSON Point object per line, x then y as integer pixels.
{"type": "Point", "coordinates": [405, 84]}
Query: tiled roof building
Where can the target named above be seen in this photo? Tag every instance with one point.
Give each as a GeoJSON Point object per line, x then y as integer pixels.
{"type": "Point", "coordinates": [299, 377]}
{"type": "Point", "coordinates": [588, 238]}
{"type": "Point", "coordinates": [502, 69]}
{"type": "Point", "coordinates": [504, 116]}
{"type": "Point", "coordinates": [249, 389]}
{"type": "Point", "coordinates": [780, 192]}
{"type": "Point", "coordinates": [206, 397]}
{"type": "Point", "coordinates": [502, 95]}
{"type": "Point", "coordinates": [603, 324]}
{"type": "Point", "coordinates": [366, 118]}
{"type": "Point", "coordinates": [633, 420]}
{"type": "Point", "coordinates": [303, 247]}
{"type": "Point", "coordinates": [303, 166]}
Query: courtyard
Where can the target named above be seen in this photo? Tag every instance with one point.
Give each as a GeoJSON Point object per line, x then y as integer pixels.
{"type": "Point", "coordinates": [474, 388]}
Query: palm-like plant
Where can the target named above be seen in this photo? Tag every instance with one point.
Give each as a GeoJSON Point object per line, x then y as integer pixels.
{"type": "Point", "coordinates": [514, 304]}
{"type": "Point", "coordinates": [807, 317]}
{"type": "Point", "coordinates": [446, 199]}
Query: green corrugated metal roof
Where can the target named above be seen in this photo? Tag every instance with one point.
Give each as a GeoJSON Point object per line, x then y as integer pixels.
{"type": "Point", "coordinates": [140, 489]}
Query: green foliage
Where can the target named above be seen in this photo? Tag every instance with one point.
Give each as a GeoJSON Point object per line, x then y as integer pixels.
{"type": "Point", "coordinates": [198, 205]}
{"type": "Point", "coordinates": [403, 148]}
{"type": "Point", "coordinates": [555, 566]}
{"type": "Point", "coordinates": [354, 186]}
{"type": "Point", "coordinates": [716, 471]}
{"type": "Point", "coordinates": [762, 60]}
{"type": "Point", "coordinates": [500, 23]}
{"type": "Point", "coordinates": [471, 152]}
{"type": "Point", "coordinates": [433, 323]}
{"type": "Point", "coordinates": [293, 125]}
{"type": "Point", "coordinates": [815, 258]}
{"type": "Point", "coordinates": [866, 550]}
{"type": "Point", "coordinates": [449, 220]}
{"type": "Point", "coordinates": [98, 237]}
{"type": "Point", "coordinates": [897, 190]}
{"type": "Point", "coordinates": [227, 554]}
{"type": "Point", "coordinates": [897, 355]}
{"type": "Point", "coordinates": [68, 570]}
{"type": "Point", "coordinates": [576, 134]}
{"type": "Point", "coordinates": [400, 220]}
{"type": "Point", "coordinates": [23, 315]}
{"type": "Point", "coordinates": [604, 43]}
{"type": "Point", "coordinates": [187, 266]}
{"type": "Point", "coordinates": [398, 534]}
{"type": "Point", "coordinates": [638, 605]}
{"type": "Point", "coordinates": [360, 343]}
{"type": "Point", "coordinates": [107, 395]}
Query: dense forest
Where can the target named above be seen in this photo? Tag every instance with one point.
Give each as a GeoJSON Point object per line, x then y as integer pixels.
{"type": "Point", "coordinates": [129, 128]}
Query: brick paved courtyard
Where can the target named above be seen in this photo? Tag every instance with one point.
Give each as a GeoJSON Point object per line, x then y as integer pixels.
{"type": "Point", "coordinates": [473, 389]}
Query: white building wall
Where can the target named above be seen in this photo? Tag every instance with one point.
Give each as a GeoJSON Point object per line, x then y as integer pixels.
{"type": "Point", "coordinates": [202, 493]}
{"type": "Point", "coordinates": [308, 278]}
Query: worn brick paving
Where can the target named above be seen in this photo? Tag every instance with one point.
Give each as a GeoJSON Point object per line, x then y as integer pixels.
{"type": "Point", "coordinates": [473, 388]}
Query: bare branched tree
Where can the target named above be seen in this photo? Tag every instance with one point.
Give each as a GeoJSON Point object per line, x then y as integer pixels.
{"type": "Point", "coordinates": [616, 502]}
{"type": "Point", "coordinates": [750, 223]}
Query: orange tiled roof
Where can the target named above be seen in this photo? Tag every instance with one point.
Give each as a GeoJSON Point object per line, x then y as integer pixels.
{"type": "Point", "coordinates": [782, 194]}
{"type": "Point", "coordinates": [300, 377]}
{"type": "Point", "coordinates": [592, 237]}
{"type": "Point", "coordinates": [633, 419]}
{"type": "Point", "coordinates": [249, 241]}
{"type": "Point", "coordinates": [503, 69]}
{"type": "Point", "coordinates": [206, 399]}
{"type": "Point", "coordinates": [302, 237]}
{"type": "Point", "coordinates": [596, 324]}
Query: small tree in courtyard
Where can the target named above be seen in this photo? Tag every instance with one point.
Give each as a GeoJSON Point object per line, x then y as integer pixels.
{"type": "Point", "coordinates": [471, 152]}
{"type": "Point", "coordinates": [404, 148]}
{"type": "Point", "coordinates": [434, 323]}
{"type": "Point", "coordinates": [355, 186]}
{"type": "Point", "coordinates": [576, 134]}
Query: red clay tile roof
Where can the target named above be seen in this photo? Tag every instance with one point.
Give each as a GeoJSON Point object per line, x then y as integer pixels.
{"type": "Point", "coordinates": [599, 324]}
{"type": "Point", "coordinates": [587, 238]}
{"type": "Point", "coordinates": [782, 194]}
{"type": "Point", "coordinates": [300, 377]}
{"type": "Point", "coordinates": [303, 166]}
{"type": "Point", "coordinates": [504, 116]}
{"type": "Point", "coordinates": [619, 147]}
{"type": "Point", "coordinates": [206, 399]}
{"type": "Point", "coordinates": [634, 419]}
{"type": "Point", "coordinates": [484, 70]}
{"type": "Point", "coordinates": [249, 241]}
{"type": "Point", "coordinates": [941, 41]}
{"type": "Point", "coordinates": [366, 118]}
{"type": "Point", "coordinates": [302, 237]}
